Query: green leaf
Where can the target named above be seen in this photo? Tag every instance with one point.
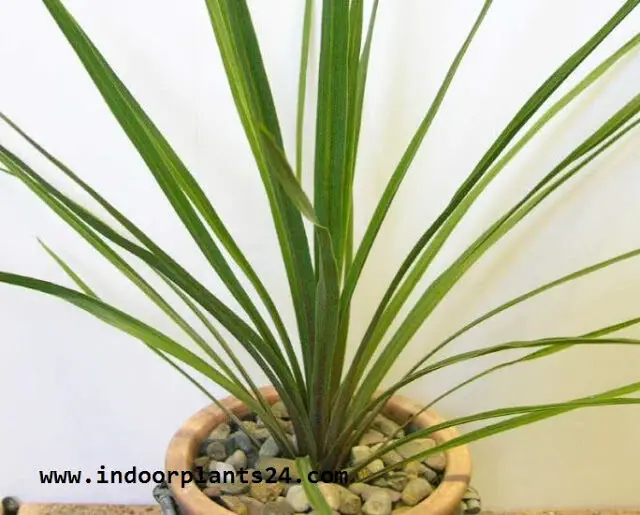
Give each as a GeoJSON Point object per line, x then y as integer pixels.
{"type": "Point", "coordinates": [360, 361]}
{"type": "Point", "coordinates": [331, 122]}
{"type": "Point", "coordinates": [269, 362]}
{"type": "Point", "coordinates": [521, 298]}
{"type": "Point", "coordinates": [327, 299]}
{"type": "Point", "coordinates": [170, 173]}
{"type": "Point", "coordinates": [311, 490]}
{"type": "Point", "coordinates": [527, 415]}
{"type": "Point", "coordinates": [371, 340]}
{"type": "Point", "coordinates": [302, 85]}
{"type": "Point", "coordinates": [599, 141]}
{"type": "Point", "coordinates": [67, 269]}
{"type": "Point", "coordinates": [240, 52]}
{"type": "Point", "coordinates": [128, 324]}
{"type": "Point", "coordinates": [439, 231]}
{"type": "Point", "coordinates": [286, 178]}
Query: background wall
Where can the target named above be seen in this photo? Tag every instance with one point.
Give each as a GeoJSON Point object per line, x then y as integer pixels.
{"type": "Point", "coordinates": [77, 394]}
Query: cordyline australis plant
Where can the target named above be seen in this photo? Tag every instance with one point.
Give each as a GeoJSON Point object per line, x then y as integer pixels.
{"type": "Point", "coordinates": [331, 401]}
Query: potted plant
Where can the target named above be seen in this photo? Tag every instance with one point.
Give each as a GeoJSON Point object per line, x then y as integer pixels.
{"type": "Point", "coordinates": [322, 414]}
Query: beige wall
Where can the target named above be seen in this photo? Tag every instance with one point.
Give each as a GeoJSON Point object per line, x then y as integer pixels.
{"type": "Point", "coordinates": [77, 394]}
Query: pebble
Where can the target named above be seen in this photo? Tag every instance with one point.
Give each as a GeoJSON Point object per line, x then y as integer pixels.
{"type": "Point", "coordinates": [216, 450]}
{"type": "Point", "coordinates": [202, 461]}
{"type": "Point", "coordinates": [366, 491]}
{"type": "Point", "coordinates": [234, 504]}
{"type": "Point", "coordinates": [413, 447]}
{"type": "Point", "coordinates": [297, 499]}
{"type": "Point", "coordinates": [269, 448]}
{"type": "Point", "coordinates": [387, 426]}
{"type": "Point", "coordinates": [350, 503]}
{"type": "Point", "coordinates": [431, 476]}
{"type": "Point", "coordinates": [412, 428]}
{"type": "Point", "coordinates": [331, 494]}
{"type": "Point", "coordinates": [279, 410]}
{"type": "Point", "coordinates": [374, 466]}
{"type": "Point", "coordinates": [265, 492]}
{"type": "Point", "coordinates": [360, 453]}
{"type": "Point", "coordinates": [254, 506]}
{"type": "Point", "coordinates": [437, 462]}
{"type": "Point", "coordinates": [286, 425]}
{"type": "Point", "coordinates": [416, 490]}
{"type": "Point", "coordinates": [212, 490]}
{"type": "Point", "coordinates": [220, 432]}
{"type": "Point", "coordinates": [250, 426]}
{"type": "Point", "coordinates": [236, 487]}
{"type": "Point", "coordinates": [278, 508]}
{"type": "Point", "coordinates": [391, 458]}
{"type": "Point", "coordinates": [415, 468]}
{"type": "Point", "coordinates": [371, 437]}
{"type": "Point", "coordinates": [239, 440]}
{"type": "Point", "coordinates": [473, 507]}
{"type": "Point", "coordinates": [261, 434]}
{"type": "Point", "coordinates": [238, 460]}
{"type": "Point", "coordinates": [378, 503]}
{"type": "Point", "coordinates": [471, 493]}
{"type": "Point", "coordinates": [397, 481]}
{"type": "Point", "coordinates": [281, 465]}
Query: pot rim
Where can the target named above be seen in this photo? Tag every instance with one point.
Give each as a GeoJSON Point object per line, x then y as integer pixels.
{"type": "Point", "coordinates": [184, 445]}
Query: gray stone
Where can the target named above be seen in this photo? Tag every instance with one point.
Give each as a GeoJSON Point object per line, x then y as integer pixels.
{"type": "Point", "coordinates": [387, 426]}
{"type": "Point", "coordinates": [360, 453]}
{"type": "Point", "coordinates": [412, 428]}
{"type": "Point", "coordinates": [371, 437]}
{"type": "Point", "coordinates": [413, 447]}
{"type": "Point", "coordinates": [238, 460]}
{"type": "Point", "coordinates": [431, 475]}
{"type": "Point", "coordinates": [216, 450]}
{"type": "Point", "coordinates": [220, 432]}
{"type": "Point", "coordinates": [269, 448]}
{"type": "Point", "coordinates": [416, 490]}
{"type": "Point", "coordinates": [473, 507]}
{"type": "Point", "coordinates": [379, 503]}
{"type": "Point", "coordinates": [239, 440]}
{"type": "Point", "coordinates": [297, 499]}
{"type": "Point", "coordinates": [254, 506]}
{"type": "Point", "coordinates": [234, 504]}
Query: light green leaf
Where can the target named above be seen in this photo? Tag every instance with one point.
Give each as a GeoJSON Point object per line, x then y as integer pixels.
{"type": "Point", "coordinates": [311, 490]}
{"type": "Point", "coordinates": [286, 178]}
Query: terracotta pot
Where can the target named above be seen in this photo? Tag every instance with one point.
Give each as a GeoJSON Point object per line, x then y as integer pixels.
{"type": "Point", "coordinates": [184, 446]}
